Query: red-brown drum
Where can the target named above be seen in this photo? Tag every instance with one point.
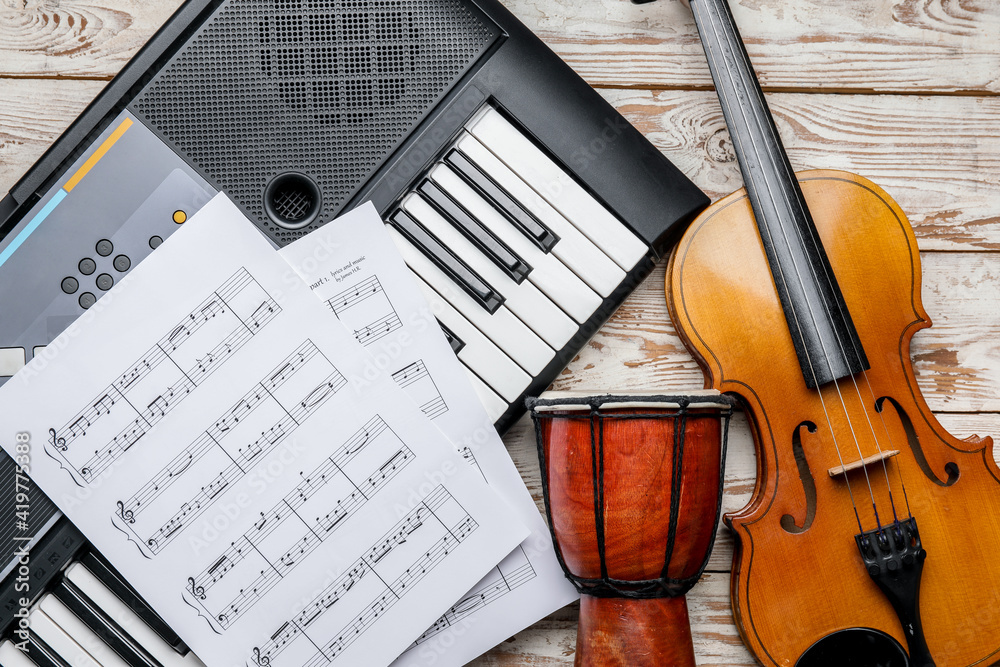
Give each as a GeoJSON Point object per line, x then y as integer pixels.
{"type": "Point", "coordinates": [633, 491]}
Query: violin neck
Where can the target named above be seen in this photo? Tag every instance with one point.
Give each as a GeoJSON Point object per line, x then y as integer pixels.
{"type": "Point", "coordinates": [825, 338]}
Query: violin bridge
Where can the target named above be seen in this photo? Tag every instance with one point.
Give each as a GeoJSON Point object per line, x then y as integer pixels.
{"type": "Point", "coordinates": [857, 465]}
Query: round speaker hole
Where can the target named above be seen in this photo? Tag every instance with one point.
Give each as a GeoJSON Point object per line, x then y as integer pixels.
{"type": "Point", "coordinates": [292, 200]}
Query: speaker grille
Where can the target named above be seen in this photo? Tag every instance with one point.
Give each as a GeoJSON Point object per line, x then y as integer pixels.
{"type": "Point", "coordinates": [326, 88]}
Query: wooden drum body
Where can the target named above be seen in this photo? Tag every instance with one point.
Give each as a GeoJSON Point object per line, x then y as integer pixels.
{"type": "Point", "coordinates": [633, 491]}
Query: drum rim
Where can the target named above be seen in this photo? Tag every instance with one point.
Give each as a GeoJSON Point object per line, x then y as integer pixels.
{"type": "Point", "coordinates": [567, 400]}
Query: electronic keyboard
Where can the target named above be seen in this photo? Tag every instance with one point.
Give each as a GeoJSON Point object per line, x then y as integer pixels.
{"type": "Point", "coordinates": [525, 205]}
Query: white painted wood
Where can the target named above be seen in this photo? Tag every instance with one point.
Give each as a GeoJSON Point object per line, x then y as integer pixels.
{"type": "Point", "coordinates": [938, 155]}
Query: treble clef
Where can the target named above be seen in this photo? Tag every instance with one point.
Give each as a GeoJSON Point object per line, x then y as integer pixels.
{"type": "Point", "coordinates": [56, 441]}
{"type": "Point", "coordinates": [197, 591]}
{"type": "Point", "coordinates": [126, 515]}
{"type": "Point", "coordinates": [262, 660]}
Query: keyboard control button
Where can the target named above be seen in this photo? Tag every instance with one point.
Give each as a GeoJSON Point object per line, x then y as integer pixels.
{"type": "Point", "coordinates": [87, 266]}
{"type": "Point", "coordinates": [122, 263]}
{"type": "Point", "coordinates": [87, 300]}
{"type": "Point", "coordinates": [70, 285]}
{"type": "Point", "coordinates": [105, 248]}
{"type": "Point", "coordinates": [11, 360]}
{"type": "Point", "coordinates": [155, 242]}
{"type": "Point", "coordinates": [105, 282]}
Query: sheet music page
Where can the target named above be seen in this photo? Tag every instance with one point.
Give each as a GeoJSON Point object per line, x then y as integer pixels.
{"type": "Point", "coordinates": [352, 265]}
{"type": "Point", "coordinates": [214, 437]}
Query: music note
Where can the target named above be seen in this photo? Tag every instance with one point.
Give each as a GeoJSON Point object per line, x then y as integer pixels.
{"type": "Point", "coordinates": [260, 313]}
{"type": "Point", "coordinates": [79, 427]}
{"type": "Point", "coordinates": [104, 405]}
{"type": "Point", "coordinates": [216, 487]}
{"type": "Point", "coordinates": [211, 310]}
{"type": "Point", "coordinates": [185, 463]}
{"type": "Point", "coordinates": [158, 406]}
{"type": "Point", "coordinates": [176, 335]}
{"type": "Point", "coordinates": [317, 395]}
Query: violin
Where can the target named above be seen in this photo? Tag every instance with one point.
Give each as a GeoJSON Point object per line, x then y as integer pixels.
{"type": "Point", "coordinates": [872, 536]}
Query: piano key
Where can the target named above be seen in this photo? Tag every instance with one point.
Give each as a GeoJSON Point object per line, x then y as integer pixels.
{"type": "Point", "coordinates": [127, 619]}
{"type": "Point", "coordinates": [107, 575]}
{"type": "Point", "coordinates": [558, 188]}
{"type": "Point", "coordinates": [479, 353]}
{"type": "Point", "coordinates": [60, 642]}
{"type": "Point", "coordinates": [511, 335]}
{"type": "Point", "coordinates": [574, 249]}
{"type": "Point", "coordinates": [524, 300]}
{"type": "Point", "coordinates": [514, 267]}
{"type": "Point", "coordinates": [495, 406]}
{"type": "Point", "coordinates": [98, 622]}
{"type": "Point", "coordinates": [519, 216]}
{"type": "Point", "coordinates": [78, 630]}
{"type": "Point", "coordinates": [43, 655]}
{"type": "Point", "coordinates": [11, 656]}
{"type": "Point", "coordinates": [549, 274]}
{"type": "Point", "coordinates": [454, 341]}
{"type": "Point", "coordinates": [447, 262]}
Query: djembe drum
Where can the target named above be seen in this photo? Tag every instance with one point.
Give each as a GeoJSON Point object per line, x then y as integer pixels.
{"type": "Point", "coordinates": [633, 491]}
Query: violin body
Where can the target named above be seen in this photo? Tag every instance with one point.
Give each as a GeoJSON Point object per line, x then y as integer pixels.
{"type": "Point", "coordinates": [797, 574]}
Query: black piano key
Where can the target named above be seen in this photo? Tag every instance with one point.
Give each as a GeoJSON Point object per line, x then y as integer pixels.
{"type": "Point", "coordinates": [494, 249]}
{"type": "Point", "coordinates": [456, 343]}
{"type": "Point", "coordinates": [501, 200]}
{"type": "Point", "coordinates": [447, 261]}
{"type": "Point", "coordinates": [103, 626]}
{"type": "Point", "coordinates": [101, 569]}
{"type": "Point", "coordinates": [53, 552]}
{"type": "Point", "coordinates": [42, 654]}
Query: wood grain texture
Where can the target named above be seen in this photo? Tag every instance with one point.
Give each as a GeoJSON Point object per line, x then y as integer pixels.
{"type": "Point", "coordinates": [84, 39]}
{"type": "Point", "coordinates": [858, 45]}
{"type": "Point", "coordinates": [847, 45]}
{"type": "Point", "coordinates": [937, 155]}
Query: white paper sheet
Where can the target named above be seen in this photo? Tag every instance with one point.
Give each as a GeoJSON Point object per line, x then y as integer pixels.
{"type": "Point", "coordinates": [208, 430]}
{"type": "Point", "coordinates": [352, 265]}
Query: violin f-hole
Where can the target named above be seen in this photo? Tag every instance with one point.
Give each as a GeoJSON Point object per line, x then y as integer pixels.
{"type": "Point", "coordinates": [918, 453]}
{"type": "Point", "coordinates": [808, 483]}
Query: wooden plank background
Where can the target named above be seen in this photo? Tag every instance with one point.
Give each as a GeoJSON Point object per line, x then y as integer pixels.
{"type": "Point", "coordinates": [905, 92]}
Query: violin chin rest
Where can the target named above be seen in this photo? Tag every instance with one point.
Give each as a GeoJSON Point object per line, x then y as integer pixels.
{"type": "Point", "coordinates": [855, 647]}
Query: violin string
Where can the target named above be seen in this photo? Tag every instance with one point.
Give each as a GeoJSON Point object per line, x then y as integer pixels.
{"type": "Point", "coordinates": [837, 338]}
{"type": "Point", "coordinates": [843, 351]}
{"type": "Point", "coordinates": [738, 140]}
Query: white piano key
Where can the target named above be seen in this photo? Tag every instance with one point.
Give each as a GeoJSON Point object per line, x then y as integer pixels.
{"type": "Point", "coordinates": [558, 188]}
{"type": "Point", "coordinates": [11, 656]}
{"type": "Point", "coordinates": [495, 406]}
{"type": "Point", "coordinates": [509, 333]}
{"type": "Point", "coordinates": [81, 634]}
{"type": "Point", "coordinates": [549, 274]}
{"type": "Point", "coordinates": [128, 619]}
{"type": "Point", "coordinates": [573, 248]}
{"type": "Point", "coordinates": [524, 300]}
{"type": "Point", "coordinates": [479, 353]}
{"type": "Point", "coordinates": [60, 642]}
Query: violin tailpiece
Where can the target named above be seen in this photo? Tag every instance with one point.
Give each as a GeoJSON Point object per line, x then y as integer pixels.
{"type": "Point", "coordinates": [894, 559]}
